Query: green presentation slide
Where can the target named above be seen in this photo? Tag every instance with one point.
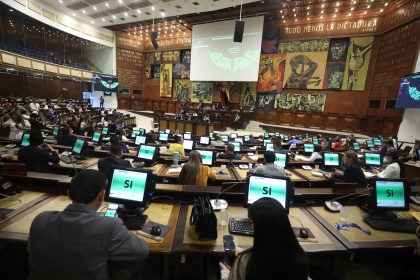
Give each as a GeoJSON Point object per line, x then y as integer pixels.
{"type": "Point", "coordinates": [374, 159]}
{"type": "Point", "coordinates": [146, 152]}
{"type": "Point", "coordinates": [266, 187]}
{"type": "Point", "coordinates": [206, 157]}
{"type": "Point", "coordinates": [390, 194]}
{"type": "Point", "coordinates": [128, 185]}
{"type": "Point", "coordinates": [78, 146]}
{"type": "Point", "coordinates": [332, 159]}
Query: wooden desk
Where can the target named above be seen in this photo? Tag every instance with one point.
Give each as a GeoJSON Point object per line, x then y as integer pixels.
{"type": "Point", "coordinates": [230, 176]}
{"type": "Point", "coordinates": [354, 238]}
{"type": "Point", "coordinates": [411, 170]}
{"type": "Point", "coordinates": [299, 181]}
{"type": "Point", "coordinates": [34, 179]}
{"type": "Point", "coordinates": [186, 240]}
{"type": "Point", "coordinates": [313, 181]}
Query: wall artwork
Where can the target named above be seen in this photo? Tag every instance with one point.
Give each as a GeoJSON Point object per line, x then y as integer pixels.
{"type": "Point", "coordinates": [153, 58]}
{"type": "Point", "coordinates": [266, 99]}
{"type": "Point", "coordinates": [148, 71]}
{"type": "Point", "coordinates": [270, 40]}
{"type": "Point", "coordinates": [170, 57]}
{"type": "Point", "coordinates": [182, 90]}
{"type": "Point", "coordinates": [166, 80]}
{"type": "Point", "coordinates": [185, 56]}
{"type": "Point", "coordinates": [249, 93]}
{"type": "Point", "coordinates": [358, 57]}
{"type": "Point", "coordinates": [271, 73]}
{"type": "Point", "coordinates": [319, 45]}
{"type": "Point", "coordinates": [202, 92]}
{"type": "Point", "coordinates": [336, 63]}
{"type": "Point", "coordinates": [305, 102]}
{"type": "Point", "coordinates": [181, 71]}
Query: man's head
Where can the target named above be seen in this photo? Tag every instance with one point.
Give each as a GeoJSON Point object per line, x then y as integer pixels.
{"type": "Point", "coordinates": [88, 187]}
{"type": "Point", "coordinates": [230, 149]}
{"type": "Point", "coordinates": [277, 143]}
{"type": "Point", "coordinates": [116, 149]}
{"type": "Point", "coordinates": [269, 157]}
{"type": "Point", "coordinates": [36, 138]}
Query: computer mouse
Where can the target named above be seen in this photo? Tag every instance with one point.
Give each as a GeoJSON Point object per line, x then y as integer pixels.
{"type": "Point", "coordinates": [303, 233]}
{"type": "Point", "coordinates": [221, 172]}
{"type": "Point", "coordinates": [156, 230]}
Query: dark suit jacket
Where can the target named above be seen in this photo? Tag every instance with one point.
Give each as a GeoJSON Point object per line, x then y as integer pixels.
{"type": "Point", "coordinates": [104, 165]}
{"type": "Point", "coordinates": [77, 243]}
{"type": "Point", "coordinates": [352, 174]}
{"type": "Point", "coordinates": [229, 156]}
{"type": "Point", "coordinates": [37, 159]}
{"type": "Point", "coordinates": [66, 139]}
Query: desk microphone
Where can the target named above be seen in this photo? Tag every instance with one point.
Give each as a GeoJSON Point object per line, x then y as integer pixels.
{"type": "Point", "coordinates": [334, 206]}
{"type": "Point", "coordinates": [219, 204]}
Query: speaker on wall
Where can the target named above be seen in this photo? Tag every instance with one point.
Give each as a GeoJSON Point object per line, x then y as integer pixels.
{"type": "Point", "coordinates": [153, 37]}
{"type": "Point", "coordinates": [239, 31]}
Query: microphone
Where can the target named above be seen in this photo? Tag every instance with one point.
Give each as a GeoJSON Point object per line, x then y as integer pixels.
{"type": "Point", "coordinates": [219, 204]}
{"type": "Point", "coordinates": [334, 206]}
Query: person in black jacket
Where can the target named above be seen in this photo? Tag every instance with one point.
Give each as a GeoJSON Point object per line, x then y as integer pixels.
{"type": "Point", "coordinates": [66, 138]}
{"type": "Point", "coordinates": [353, 172]}
{"type": "Point", "coordinates": [229, 153]}
{"type": "Point", "coordinates": [38, 154]}
{"type": "Point", "coordinates": [114, 158]}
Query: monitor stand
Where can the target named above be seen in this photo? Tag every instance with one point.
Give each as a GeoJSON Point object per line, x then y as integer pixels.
{"type": "Point", "coordinates": [328, 168]}
{"type": "Point", "coordinates": [79, 157]}
{"type": "Point", "coordinates": [383, 214]}
{"type": "Point", "coordinates": [150, 164]}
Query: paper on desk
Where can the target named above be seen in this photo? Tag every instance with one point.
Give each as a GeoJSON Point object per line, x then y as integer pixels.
{"type": "Point", "coordinates": [175, 170]}
{"type": "Point", "coordinates": [253, 157]}
{"type": "Point", "coordinates": [415, 214]}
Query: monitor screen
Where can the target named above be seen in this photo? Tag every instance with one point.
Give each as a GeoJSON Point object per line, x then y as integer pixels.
{"type": "Point", "coordinates": [135, 133]}
{"type": "Point", "coordinates": [308, 148]}
{"type": "Point", "coordinates": [300, 136]}
{"type": "Point", "coordinates": [408, 93]}
{"type": "Point", "coordinates": [282, 159]}
{"type": "Point", "coordinates": [132, 188]}
{"type": "Point", "coordinates": [369, 144]}
{"type": "Point", "coordinates": [187, 136]}
{"type": "Point", "coordinates": [259, 185]}
{"type": "Point", "coordinates": [266, 135]}
{"type": "Point", "coordinates": [146, 152]}
{"type": "Point", "coordinates": [225, 138]}
{"type": "Point", "coordinates": [331, 159]}
{"type": "Point", "coordinates": [167, 131]}
{"type": "Point", "coordinates": [246, 138]}
{"type": "Point", "coordinates": [373, 159]}
{"type": "Point", "coordinates": [239, 139]}
{"type": "Point", "coordinates": [306, 135]}
{"type": "Point", "coordinates": [96, 137]}
{"type": "Point", "coordinates": [24, 141]}
{"type": "Point", "coordinates": [356, 146]}
{"type": "Point", "coordinates": [78, 146]}
{"type": "Point", "coordinates": [188, 132]}
{"type": "Point", "coordinates": [286, 138]}
{"type": "Point", "coordinates": [277, 134]}
{"type": "Point", "coordinates": [377, 142]}
{"type": "Point", "coordinates": [205, 140]}
{"type": "Point", "coordinates": [188, 145]}
{"type": "Point", "coordinates": [105, 130]}
{"type": "Point", "coordinates": [315, 141]}
{"type": "Point", "coordinates": [418, 154]}
{"type": "Point", "coordinates": [237, 146]}
{"type": "Point", "coordinates": [265, 141]}
{"type": "Point", "coordinates": [163, 137]}
{"type": "Point", "coordinates": [390, 194]}
{"type": "Point", "coordinates": [56, 130]}
{"type": "Point", "coordinates": [142, 131]}
{"type": "Point", "coordinates": [207, 157]}
{"type": "Point", "coordinates": [140, 140]}
{"type": "Point", "coordinates": [211, 134]}
{"type": "Point", "coordinates": [269, 147]}
{"type": "Point", "coordinates": [233, 135]}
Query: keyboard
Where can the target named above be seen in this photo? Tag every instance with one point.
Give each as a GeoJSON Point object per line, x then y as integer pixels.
{"type": "Point", "coordinates": [132, 221]}
{"type": "Point", "coordinates": [68, 159]}
{"type": "Point", "coordinates": [392, 224]}
{"type": "Point", "coordinates": [241, 226]}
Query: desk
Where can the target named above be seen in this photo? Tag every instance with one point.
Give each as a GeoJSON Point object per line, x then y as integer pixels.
{"type": "Point", "coordinates": [313, 181]}
{"type": "Point", "coordinates": [230, 176]}
{"type": "Point", "coordinates": [299, 181]}
{"type": "Point", "coordinates": [186, 240]}
{"type": "Point", "coordinates": [411, 170]}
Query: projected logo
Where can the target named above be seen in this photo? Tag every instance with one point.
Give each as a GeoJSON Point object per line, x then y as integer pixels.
{"type": "Point", "coordinates": [235, 60]}
{"type": "Point", "coordinates": [109, 83]}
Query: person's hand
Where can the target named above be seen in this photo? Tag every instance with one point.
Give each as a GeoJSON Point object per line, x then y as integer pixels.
{"type": "Point", "coordinates": [374, 171]}
{"type": "Point", "coordinates": [224, 270]}
{"type": "Point", "coordinates": [224, 266]}
{"type": "Point", "coordinates": [48, 147]}
{"type": "Point", "coordinates": [327, 175]}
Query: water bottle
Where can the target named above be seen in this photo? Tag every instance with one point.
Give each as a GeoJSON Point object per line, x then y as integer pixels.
{"type": "Point", "coordinates": [177, 157]}
{"type": "Point", "coordinates": [223, 217]}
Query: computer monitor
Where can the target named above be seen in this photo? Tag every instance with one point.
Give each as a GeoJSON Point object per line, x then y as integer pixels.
{"type": "Point", "coordinates": [389, 195]}
{"type": "Point", "coordinates": [330, 160]}
{"type": "Point", "coordinates": [369, 144]}
{"type": "Point", "coordinates": [306, 135]}
{"type": "Point", "coordinates": [24, 141]}
{"type": "Point", "coordinates": [261, 185]}
{"type": "Point", "coordinates": [188, 145]}
{"type": "Point", "coordinates": [315, 141]}
{"type": "Point", "coordinates": [225, 138]}
{"type": "Point", "coordinates": [187, 136]}
{"type": "Point", "coordinates": [167, 131]}
{"type": "Point", "coordinates": [79, 147]}
{"type": "Point", "coordinates": [246, 138]}
{"type": "Point", "coordinates": [239, 139]}
{"type": "Point", "coordinates": [266, 135]}
{"type": "Point", "coordinates": [142, 131]}
{"type": "Point", "coordinates": [372, 159]}
{"type": "Point", "coordinates": [105, 130]}
{"type": "Point", "coordinates": [147, 154]}
{"type": "Point", "coordinates": [96, 138]}
{"type": "Point", "coordinates": [356, 146]}
{"type": "Point", "coordinates": [207, 157]}
{"type": "Point", "coordinates": [377, 142]}
{"type": "Point", "coordinates": [188, 132]}
{"type": "Point", "coordinates": [163, 137]}
{"type": "Point", "coordinates": [134, 133]}
{"type": "Point", "coordinates": [205, 140]}
{"type": "Point", "coordinates": [277, 134]}
{"type": "Point", "coordinates": [308, 148]}
{"type": "Point", "coordinates": [140, 140]}
{"type": "Point", "coordinates": [131, 188]}
{"type": "Point", "coordinates": [237, 145]}
{"type": "Point", "coordinates": [233, 135]}
{"type": "Point", "coordinates": [265, 141]}
{"type": "Point", "coordinates": [56, 130]}
{"type": "Point", "coordinates": [300, 136]}
{"type": "Point", "coordinates": [211, 134]}
{"type": "Point", "coordinates": [285, 138]}
{"type": "Point", "coordinates": [380, 137]}
{"type": "Point", "coordinates": [269, 147]}
{"type": "Point", "coordinates": [418, 154]}
{"type": "Point", "coordinates": [282, 159]}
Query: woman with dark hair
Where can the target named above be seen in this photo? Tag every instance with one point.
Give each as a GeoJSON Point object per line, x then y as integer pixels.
{"type": "Point", "coordinates": [194, 172]}
{"type": "Point", "coordinates": [18, 125]}
{"type": "Point", "coordinates": [393, 169]}
{"type": "Point", "coordinates": [276, 253]}
{"type": "Point", "coordinates": [316, 154]}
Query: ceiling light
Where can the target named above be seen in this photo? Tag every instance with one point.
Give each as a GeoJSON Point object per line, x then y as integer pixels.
{"type": "Point", "coordinates": [283, 21]}
{"type": "Point", "coordinates": [282, 16]}
{"type": "Point", "coordinates": [153, 8]}
{"type": "Point", "coordinates": [336, 10]}
{"type": "Point", "coordinates": [307, 18]}
{"type": "Point", "coordinates": [92, 21]}
{"type": "Point", "coordinates": [352, 8]}
{"type": "Point", "coordinates": [381, 10]}
{"type": "Point", "coordinates": [296, 19]}
{"type": "Point", "coordinates": [106, 4]}
{"type": "Point", "coordinates": [84, 11]}
{"type": "Point", "coordinates": [74, 14]}
{"type": "Point", "coordinates": [338, 3]}
{"type": "Point", "coordinates": [125, 14]}
{"type": "Point", "coordinates": [349, 14]}
{"type": "Point", "coordinates": [386, 4]}
{"type": "Point", "coordinates": [308, 13]}
{"type": "Point", "coordinates": [138, 11]}
{"type": "Point", "coordinates": [365, 12]}
{"type": "Point", "coordinates": [322, 12]}
{"type": "Point", "coordinates": [120, 1]}
{"type": "Point", "coordinates": [114, 17]}
{"type": "Point", "coordinates": [322, 6]}
{"type": "Point", "coordinates": [162, 14]}
{"type": "Point", "coordinates": [103, 19]}
{"type": "Point", "coordinates": [368, 6]}
{"type": "Point", "coordinates": [61, 2]}
{"type": "Point", "coordinates": [307, 8]}
{"type": "Point", "coordinates": [94, 8]}
{"type": "Point", "coordinates": [294, 15]}
{"type": "Point", "coordinates": [321, 16]}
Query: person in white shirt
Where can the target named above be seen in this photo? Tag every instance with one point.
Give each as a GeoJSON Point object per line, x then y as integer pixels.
{"type": "Point", "coordinates": [17, 125]}
{"type": "Point", "coordinates": [393, 169]}
{"type": "Point", "coordinates": [317, 154]}
{"type": "Point", "coordinates": [34, 106]}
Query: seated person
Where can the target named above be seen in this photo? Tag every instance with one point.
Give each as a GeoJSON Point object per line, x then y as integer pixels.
{"type": "Point", "coordinates": [385, 145]}
{"type": "Point", "coordinates": [194, 172]}
{"type": "Point", "coordinates": [177, 146]}
{"type": "Point", "coordinates": [337, 144]}
{"type": "Point", "coordinates": [114, 158]}
{"type": "Point", "coordinates": [218, 143]}
{"type": "Point", "coordinates": [326, 147]}
{"type": "Point", "coordinates": [229, 153]}
{"type": "Point", "coordinates": [78, 243]}
{"type": "Point", "coordinates": [66, 138]}
{"type": "Point", "coordinates": [352, 174]}
{"type": "Point", "coordinates": [89, 129]}
{"type": "Point", "coordinates": [277, 146]}
{"type": "Point", "coordinates": [294, 140]}
{"type": "Point", "coordinates": [276, 250]}
{"type": "Point", "coordinates": [317, 154]}
{"type": "Point", "coordinates": [114, 139]}
{"type": "Point", "coordinates": [269, 167]}
{"type": "Point", "coordinates": [252, 140]}
{"type": "Point", "coordinates": [393, 169]}
{"type": "Point", "coordinates": [38, 155]}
